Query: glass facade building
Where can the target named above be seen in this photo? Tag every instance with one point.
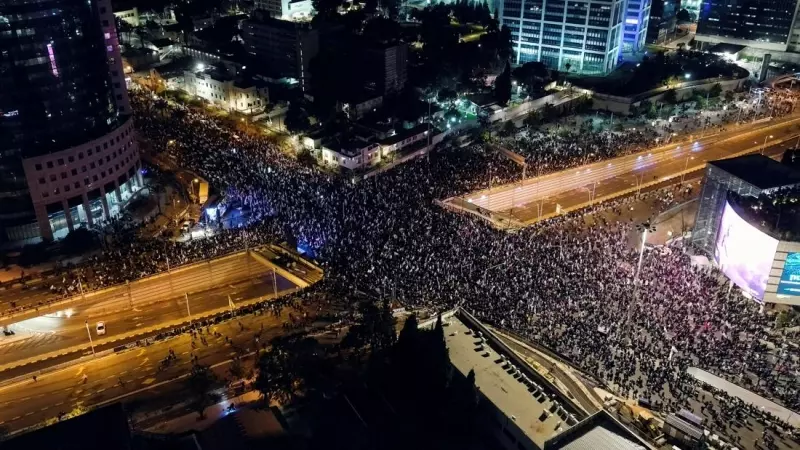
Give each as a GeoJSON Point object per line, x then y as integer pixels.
{"type": "Point", "coordinates": [663, 15]}
{"type": "Point", "coordinates": [637, 18]}
{"type": "Point", "coordinates": [763, 24]}
{"type": "Point", "coordinates": [61, 87]}
{"type": "Point", "coordinates": [582, 36]}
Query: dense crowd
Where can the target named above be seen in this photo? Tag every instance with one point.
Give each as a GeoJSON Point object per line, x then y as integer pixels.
{"type": "Point", "coordinates": [566, 284]}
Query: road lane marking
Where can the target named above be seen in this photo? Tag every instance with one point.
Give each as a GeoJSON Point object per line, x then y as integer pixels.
{"type": "Point", "coordinates": [101, 390]}
{"type": "Point", "coordinates": [59, 404]}
{"type": "Point", "coordinates": [16, 418]}
{"type": "Point", "coordinates": [45, 408]}
{"type": "Point", "coordinates": [29, 414]}
{"type": "Point", "coordinates": [139, 324]}
{"type": "Point", "coordinates": [148, 381]}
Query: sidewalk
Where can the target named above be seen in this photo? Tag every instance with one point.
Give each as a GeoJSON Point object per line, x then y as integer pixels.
{"type": "Point", "coordinates": [191, 422]}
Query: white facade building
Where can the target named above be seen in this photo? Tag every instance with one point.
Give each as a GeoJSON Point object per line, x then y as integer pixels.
{"type": "Point", "coordinates": [230, 94]}
{"type": "Point", "coordinates": [286, 9]}
{"type": "Point", "coordinates": [360, 153]}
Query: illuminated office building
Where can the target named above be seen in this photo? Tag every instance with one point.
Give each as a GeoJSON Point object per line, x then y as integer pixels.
{"type": "Point", "coordinates": [637, 18]}
{"type": "Point", "coordinates": [68, 154]}
{"type": "Point", "coordinates": [759, 24]}
{"type": "Point", "coordinates": [576, 35]}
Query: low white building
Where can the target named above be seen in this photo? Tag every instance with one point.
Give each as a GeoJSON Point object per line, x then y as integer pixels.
{"type": "Point", "coordinates": [360, 152]}
{"type": "Point", "coordinates": [131, 16]}
{"type": "Point", "coordinates": [229, 93]}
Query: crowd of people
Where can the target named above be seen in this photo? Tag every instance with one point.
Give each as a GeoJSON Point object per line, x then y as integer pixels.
{"type": "Point", "coordinates": [566, 284]}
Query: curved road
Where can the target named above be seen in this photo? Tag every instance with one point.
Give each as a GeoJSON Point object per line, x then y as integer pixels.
{"type": "Point", "coordinates": [533, 198]}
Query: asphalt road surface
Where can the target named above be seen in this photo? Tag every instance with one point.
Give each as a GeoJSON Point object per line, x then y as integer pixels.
{"type": "Point", "coordinates": [194, 278]}
{"type": "Point", "coordinates": [29, 402]}
{"type": "Point", "coordinates": [45, 334]}
{"type": "Point", "coordinates": [537, 197]}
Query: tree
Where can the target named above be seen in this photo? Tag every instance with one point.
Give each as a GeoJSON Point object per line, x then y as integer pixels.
{"type": "Point", "coordinates": [392, 7]}
{"type": "Point", "coordinates": [80, 240]}
{"type": "Point", "coordinates": [533, 119]}
{"type": "Point", "coordinates": [502, 86]}
{"type": "Point", "coordinates": [296, 120]}
{"type": "Point", "coordinates": [684, 16]}
{"type": "Point", "coordinates": [729, 96]}
{"type": "Point", "coordinates": [715, 90]}
{"type": "Point", "coordinates": [446, 95]}
{"type": "Point", "coordinates": [123, 29]}
{"type": "Point", "coordinates": [374, 331]}
{"type": "Point", "coordinates": [504, 45]}
{"type": "Point", "coordinates": [141, 33]}
{"type": "Point", "coordinates": [326, 9]}
{"type": "Point", "coordinates": [236, 370]}
{"type": "Point", "coordinates": [200, 384]}
{"type": "Point", "coordinates": [670, 97]}
{"type": "Point", "coordinates": [509, 128]}
{"type": "Point", "coordinates": [275, 374]}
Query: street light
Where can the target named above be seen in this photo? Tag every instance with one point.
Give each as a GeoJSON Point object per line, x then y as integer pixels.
{"type": "Point", "coordinates": [764, 145]}
{"type": "Point", "coordinates": [90, 336]}
{"type": "Point", "coordinates": [687, 76]}
{"type": "Point", "coordinates": [644, 228]}
{"type": "Point", "coordinates": [686, 167]}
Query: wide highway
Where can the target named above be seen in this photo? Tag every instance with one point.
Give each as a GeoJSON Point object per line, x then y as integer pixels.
{"type": "Point", "coordinates": [54, 333]}
{"type": "Point", "coordinates": [132, 374]}
{"type": "Point", "coordinates": [190, 278]}
{"type": "Point", "coordinates": [531, 200]}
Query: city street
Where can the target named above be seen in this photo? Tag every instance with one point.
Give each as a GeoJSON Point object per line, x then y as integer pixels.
{"type": "Point", "coordinates": [538, 198]}
{"type": "Point", "coordinates": [190, 278]}
{"type": "Point", "coordinates": [42, 335]}
{"type": "Point", "coordinates": [29, 402]}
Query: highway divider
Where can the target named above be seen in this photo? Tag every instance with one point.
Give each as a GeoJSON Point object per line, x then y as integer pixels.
{"type": "Point", "coordinates": [503, 220]}
{"type": "Point", "coordinates": [140, 338]}
{"type": "Point", "coordinates": [22, 312]}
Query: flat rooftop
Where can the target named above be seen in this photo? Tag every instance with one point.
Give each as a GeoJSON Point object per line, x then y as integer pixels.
{"type": "Point", "coordinates": [505, 388]}
{"type": "Point", "coordinates": [760, 171]}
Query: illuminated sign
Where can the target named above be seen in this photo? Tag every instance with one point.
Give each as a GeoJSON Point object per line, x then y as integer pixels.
{"type": "Point", "coordinates": [790, 277]}
{"type": "Point", "coordinates": [744, 253]}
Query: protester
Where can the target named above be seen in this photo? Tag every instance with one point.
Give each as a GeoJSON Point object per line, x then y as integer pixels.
{"type": "Point", "coordinates": [566, 284]}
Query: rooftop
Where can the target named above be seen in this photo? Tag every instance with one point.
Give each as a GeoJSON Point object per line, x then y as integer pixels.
{"type": "Point", "coordinates": [101, 429]}
{"type": "Point", "coordinates": [727, 48]}
{"type": "Point", "coordinates": [525, 402]}
{"type": "Point", "coordinates": [599, 431]}
{"type": "Point", "coordinates": [760, 171]}
{"type": "Point", "coordinates": [405, 134]}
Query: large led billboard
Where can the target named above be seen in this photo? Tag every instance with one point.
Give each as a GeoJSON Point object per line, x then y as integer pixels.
{"type": "Point", "coordinates": [743, 253]}
{"type": "Point", "coordinates": [790, 277]}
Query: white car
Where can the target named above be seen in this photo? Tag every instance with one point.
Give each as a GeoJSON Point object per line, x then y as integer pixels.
{"type": "Point", "coordinates": [101, 328]}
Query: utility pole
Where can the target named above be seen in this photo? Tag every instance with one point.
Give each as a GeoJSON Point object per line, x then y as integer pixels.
{"type": "Point", "coordinates": [274, 282]}
{"type": "Point", "coordinates": [90, 336]}
{"type": "Point", "coordinates": [188, 311]}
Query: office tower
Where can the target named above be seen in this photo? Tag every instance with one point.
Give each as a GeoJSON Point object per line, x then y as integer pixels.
{"type": "Point", "coordinates": [637, 18]}
{"type": "Point", "coordinates": [662, 20]}
{"type": "Point", "coordinates": [68, 154]}
{"type": "Point", "coordinates": [760, 24]}
{"type": "Point", "coordinates": [283, 49]}
{"type": "Point", "coordinates": [584, 36]}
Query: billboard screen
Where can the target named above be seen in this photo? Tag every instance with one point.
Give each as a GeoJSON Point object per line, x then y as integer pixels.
{"type": "Point", "coordinates": [743, 253]}
{"type": "Point", "coordinates": [790, 277]}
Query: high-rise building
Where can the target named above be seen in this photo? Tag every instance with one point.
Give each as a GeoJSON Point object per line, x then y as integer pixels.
{"type": "Point", "coordinates": [386, 67]}
{"type": "Point", "coordinates": [581, 36]}
{"type": "Point", "coordinates": [282, 48]}
{"type": "Point", "coordinates": [760, 24]}
{"type": "Point", "coordinates": [68, 154]}
{"type": "Point", "coordinates": [637, 17]}
{"type": "Point", "coordinates": [663, 14]}
{"type": "Point", "coordinates": [286, 9]}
